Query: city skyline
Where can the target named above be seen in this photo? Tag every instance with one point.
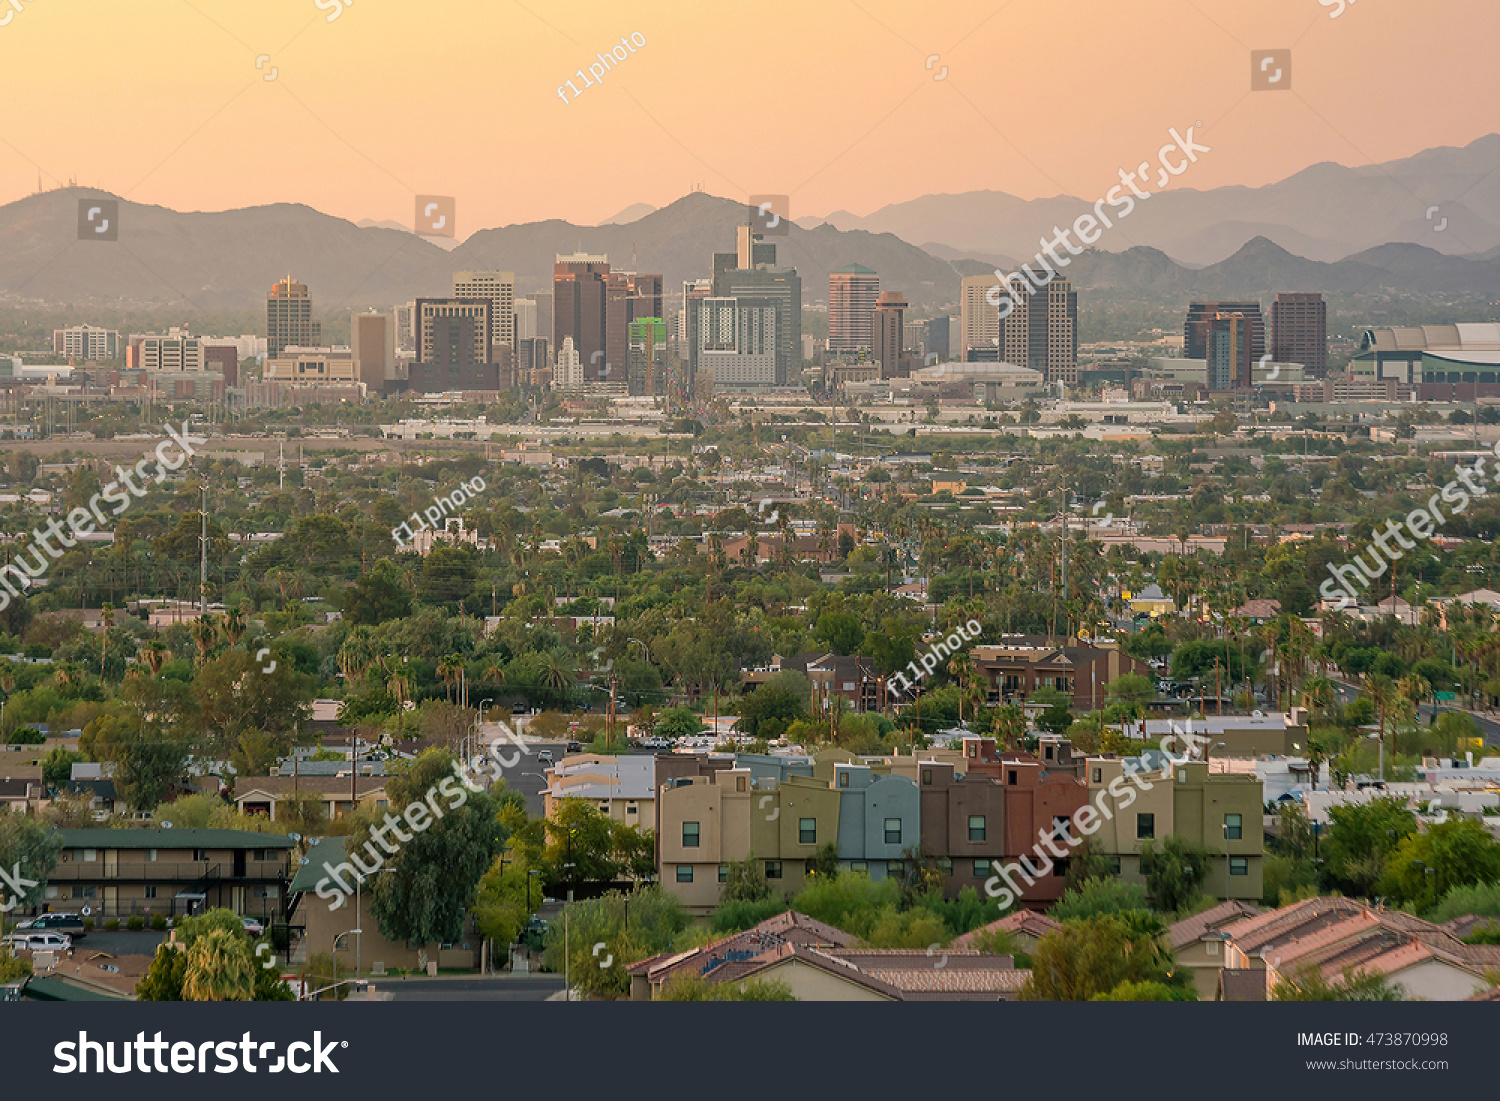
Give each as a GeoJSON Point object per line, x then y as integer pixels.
{"type": "Point", "coordinates": [286, 76]}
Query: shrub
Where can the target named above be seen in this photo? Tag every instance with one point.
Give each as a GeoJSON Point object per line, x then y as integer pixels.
{"type": "Point", "coordinates": [135, 922]}
{"type": "Point", "coordinates": [734, 916]}
{"type": "Point", "coordinates": [112, 925]}
{"type": "Point", "coordinates": [88, 925]}
{"type": "Point", "coordinates": [159, 921]}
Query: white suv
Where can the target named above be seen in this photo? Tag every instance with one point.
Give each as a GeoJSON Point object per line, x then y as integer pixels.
{"type": "Point", "coordinates": [39, 942]}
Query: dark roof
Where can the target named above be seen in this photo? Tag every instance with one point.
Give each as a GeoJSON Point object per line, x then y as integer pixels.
{"type": "Point", "coordinates": [171, 839]}
{"type": "Point", "coordinates": [327, 850]}
{"type": "Point", "coordinates": [1242, 985]}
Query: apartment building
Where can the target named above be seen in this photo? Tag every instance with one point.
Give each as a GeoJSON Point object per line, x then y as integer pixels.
{"type": "Point", "coordinates": [621, 788]}
{"type": "Point", "coordinates": [1221, 812]}
{"type": "Point", "coordinates": [880, 817]}
{"type": "Point", "coordinates": [1021, 664]}
{"type": "Point", "coordinates": [119, 873]}
{"type": "Point", "coordinates": [963, 823]}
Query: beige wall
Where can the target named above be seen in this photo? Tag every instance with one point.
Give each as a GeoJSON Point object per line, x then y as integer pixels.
{"type": "Point", "coordinates": [812, 984]}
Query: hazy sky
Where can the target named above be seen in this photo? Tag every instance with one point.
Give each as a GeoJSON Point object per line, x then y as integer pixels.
{"type": "Point", "coordinates": [829, 101]}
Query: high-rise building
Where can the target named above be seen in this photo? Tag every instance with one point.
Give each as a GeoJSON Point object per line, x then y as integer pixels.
{"type": "Point", "coordinates": [887, 336]}
{"type": "Point", "coordinates": [648, 356]}
{"type": "Point", "coordinates": [498, 288]}
{"type": "Point", "coordinates": [176, 351]}
{"type": "Point", "coordinates": [762, 280]}
{"type": "Point", "coordinates": [543, 300]}
{"type": "Point", "coordinates": [578, 288]}
{"type": "Point", "coordinates": [525, 320]}
{"type": "Point", "coordinates": [372, 341]}
{"type": "Point", "coordinates": [936, 343]}
{"type": "Point", "coordinates": [86, 342]}
{"type": "Point", "coordinates": [289, 319]}
{"type": "Point", "coordinates": [978, 319]}
{"type": "Point", "coordinates": [1052, 332]}
{"type": "Point", "coordinates": [691, 289]}
{"type": "Point", "coordinates": [406, 327]}
{"type": "Point", "coordinates": [1299, 328]}
{"type": "Point", "coordinates": [453, 346]}
{"type": "Point", "coordinates": [1194, 334]}
{"type": "Point", "coordinates": [225, 359]}
{"type": "Point", "coordinates": [1228, 341]}
{"type": "Point", "coordinates": [736, 341]}
{"type": "Point", "coordinates": [852, 294]}
{"type": "Point", "coordinates": [568, 377]}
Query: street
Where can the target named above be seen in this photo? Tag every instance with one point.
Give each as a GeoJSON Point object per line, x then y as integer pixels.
{"type": "Point", "coordinates": [477, 988]}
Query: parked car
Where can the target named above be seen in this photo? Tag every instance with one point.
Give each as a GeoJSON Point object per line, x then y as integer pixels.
{"type": "Point", "coordinates": [575, 747]}
{"type": "Point", "coordinates": [657, 743]}
{"type": "Point", "coordinates": [252, 926]}
{"type": "Point", "coordinates": [38, 942]}
{"type": "Point", "coordinates": [69, 924]}
{"type": "Point", "coordinates": [544, 757]}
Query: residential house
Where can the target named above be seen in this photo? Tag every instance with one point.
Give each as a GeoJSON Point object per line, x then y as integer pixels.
{"type": "Point", "coordinates": [963, 823]}
{"type": "Point", "coordinates": [1154, 800]}
{"type": "Point", "coordinates": [1152, 601]}
{"type": "Point", "coordinates": [879, 819]}
{"type": "Point", "coordinates": [1277, 734]}
{"type": "Point", "coordinates": [622, 788]}
{"type": "Point", "coordinates": [118, 873]}
{"type": "Point", "coordinates": [1198, 942]}
{"type": "Point", "coordinates": [1024, 928]}
{"type": "Point", "coordinates": [1021, 664]}
{"type": "Point", "coordinates": [340, 795]}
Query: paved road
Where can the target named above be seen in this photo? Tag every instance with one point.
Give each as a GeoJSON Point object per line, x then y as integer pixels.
{"type": "Point", "coordinates": [496, 988]}
{"type": "Point", "coordinates": [1487, 726]}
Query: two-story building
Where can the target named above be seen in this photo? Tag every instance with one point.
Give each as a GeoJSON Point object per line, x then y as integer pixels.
{"type": "Point", "coordinates": [119, 873]}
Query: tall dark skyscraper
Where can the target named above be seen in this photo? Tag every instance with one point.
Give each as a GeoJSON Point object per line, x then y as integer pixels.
{"type": "Point", "coordinates": [454, 351]}
{"type": "Point", "coordinates": [886, 331]}
{"type": "Point", "coordinates": [1299, 328]}
{"type": "Point", "coordinates": [852, 294]}
{"type": "Point", "coordinates": [578, 309]}
{"type": "Point", "coordinates": [751, 272]}
{"type": "Point", "coordinates": [289, 319]}
{"type": "Point", "coordinates": [1194, 338]}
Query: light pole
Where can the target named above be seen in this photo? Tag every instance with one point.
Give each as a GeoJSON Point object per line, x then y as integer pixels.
{"type": "Point", "coordinates": [1381, 740]}
{"type": "Point", "coordinates": [1225, 827]}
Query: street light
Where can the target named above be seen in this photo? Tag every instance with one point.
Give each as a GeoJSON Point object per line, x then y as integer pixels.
{"type": "Point", "coordinates": [1381, 740]}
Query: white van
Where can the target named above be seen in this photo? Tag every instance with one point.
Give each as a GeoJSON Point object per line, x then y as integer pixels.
{"type": "Point", "coordinates": [39, 942]}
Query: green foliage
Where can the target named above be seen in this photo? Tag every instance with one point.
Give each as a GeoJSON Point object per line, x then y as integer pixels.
{"type": "Point", "coordinates": [1482, 899]}
{"type": "Point", "coordinates": [430, 882]}
{"type": "Point", "coordinates": [1457, 853]}
{"type": "Point", "coordinates": [773, 706]}
{"type": "Point", "coordinates": [1096, 955]}
{"type": "Point", "coordinates": [26, 735]}
{"type": "Point", "coordinates": [57, 767]}
{"type": "Point", "coordinates": [1292, 876]}
{"type": "Point", "coordinates": [1147, 992]}
{"type": "Point", "coordinates": [31, 846]}
{"type": "Point", "coordinates": [746, 882]}
{"type": "Point", "coordinates": [376, 597]}
{"type": "Point", "coordinates": [1360, 838]}
{"type": "Point", "coordinates": [1098, 897]}
{"type": "Point", "coordinates": [1174, 871]}
{"type": "Point", "coordinates": [695, 988]}
{"type": "Point", "coordinates": [732, 917]}
{"type": "Point", "coordinates": [607, 934]}
{"type": "Point", "coordinates": [1308, 985]}
{"type": "Point", "coordinates": [214, 959]}
{"type": "Point", "coordinates": [678, 722]}
{"type": "Point", "coordinates": [851, 901]}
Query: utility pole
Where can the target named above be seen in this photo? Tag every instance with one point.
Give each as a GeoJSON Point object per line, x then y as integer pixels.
{"type": "Point", "coordinates": [203, 556]}
{"type": "Point", "coordinates": [1067, 622]}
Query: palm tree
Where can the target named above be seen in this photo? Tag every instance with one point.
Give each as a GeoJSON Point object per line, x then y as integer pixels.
{"type": "Point", "coordinates": [398, 686]}
{"type": "Point", "coordinates": [961, 668]}
{"type": "Point", "coordinates": [448, 669]}
{"type": "Point", "coordinates": [556, 671]}
{"type": "Point", "coordinates": [153, 656]}
{"type": "Point", "coordinates": [357, 653]}
{"type": "Point", "coordinates": [205, 632]}
{"type": "Point", "coordinates": [234, 626]}
{"type": "Point", "coordinates": [219, 969]}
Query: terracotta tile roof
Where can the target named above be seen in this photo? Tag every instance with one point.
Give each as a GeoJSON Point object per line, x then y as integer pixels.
{"type": "Point", "coordinates": [1275, 926]}
{"type": "Point", "coordinates": [1020, 921]}
{"type": "Point", "coordinates": [943, 983]}
{"type": "Point", "coordinates": [1191, 929]}
{"type": "Point", "coordinates": [931, 959]}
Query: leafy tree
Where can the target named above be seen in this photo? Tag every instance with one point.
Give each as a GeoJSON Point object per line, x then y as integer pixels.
{"type": "Point", "coordinates": [26, 735]}
{"type": "Point", "coordinates": [606, 935]}
{"type": "Point", "coordinates": [1132, 689]}
{"type": "Point", "coordinates": [501, 901]}
{"type": "Point", "coordinates": [168, 977]}
{"type": "Point", "coordinates": [678, 722]}
{"type": "Point", "coordinates": [431, 878]}
{"type": "Point", "coordinates": [1096, 955]}
{"type": "Point", "coordinates": [1096, 897]}
{"type": "Point", "coordinates": [218, 969]}
{"type": "Point", "coordinates": [840, 631]}
{"type": "Point", "coordinates": [376, 597]}
{"type": "Point", "coordinates": [746, 882]}
{"type": "Point", "coordinates": [1146, 992]}
{"type": "Point", "coordinates": [57, 767]}
{"type": "Point", "coordinates": [1361, 837]}
{"type": "Point", "coordinates": [151, 762]}
{"type": "Point", "coordinates": [772, 707]}
{"type": "Point", "coordinates": [1308, 985]}
{"type": "Point", "coordinates": [732, 917]}
{"type": "Point", "coordinates": [1057, 717]}
{"type": "Point", "coordinates": [31, 846]}
{"type": "Point", "coordinates": [1457, 853]}
{"type": "Point", "coordinates": [580, 845]}
{"type": "Point", "coordinates": [1174, 872]}
{"type": "Point", "coordinates": [1483, 899]}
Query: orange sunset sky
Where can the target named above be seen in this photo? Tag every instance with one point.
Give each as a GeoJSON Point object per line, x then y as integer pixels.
{"type": "Point", "coordinates": [829, 101]}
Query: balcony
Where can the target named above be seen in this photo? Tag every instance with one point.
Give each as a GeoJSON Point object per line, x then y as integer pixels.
{"type": "Point", "coordinates": [166, 871]}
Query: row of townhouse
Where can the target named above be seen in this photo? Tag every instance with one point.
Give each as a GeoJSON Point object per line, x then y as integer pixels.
{"type": "Point", "coordinates": [972, 811]}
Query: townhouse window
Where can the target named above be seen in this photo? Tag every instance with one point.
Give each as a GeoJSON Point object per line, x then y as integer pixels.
{"type": "Point", "coordinates": [1010, 777]}
{"type": "Point", "coordinates": [807, 831]}
{"type": "Point", "coordinates": [51, 892]}
{"type": "Point", "coordinates": [604, 805]}
{"type": "Point", "coordinates": [981, 869]}
{"type": "Point", "coordinates": [858, 866]}
{"type": "Point", "coordinates": [945, 865]}
{"type": "Point", "coordinates": [86, 892]}
{"type": "Point", "coordinates": [1145, 825]}
{"type": "Point", "coordinates": [684, 873]}
{"type": "Point", "coordinates": [88, 855]}
{"type": "Point", "coordinates": [150, 890]}
{"type": "Point", "coordinates": [200, 854]}
{"type": "Point", "coordinates": [773, 869]}
{"type": "Point", "coordinates": [739, 783]}
{"type": "Point", "coordinates": [976, 827]}
{"type": "Point", "coordinates": [1114, 865]}
{"type": "Point", "coordinates": [893, 831]}
{"type": "Point", "coordinates": [1098, 776]}
{"type": "Point", "coordinates": [843, 777]}
{"type": "Point", "coordinates": [1233, 827]}
{"type": "Point", "coordinates": [1239, 865]}
{"type": "Point", "coordinates": [690, 835]}
{"type": "Point", "coordinates": [1060, 868]}
{"type": "Point", "coordinates": [1060, 824]}
{"type": "Point", "coordinates": [927, 776]}
{"type": "Point", "coordinates": [894, 868]}
{"type": "Point", "coordinates": [723, 873]}
{"type": "Point", "coordinates": [630, 808]}
{"type": "Point", "coordinates": [267, 892]}
{"type": "Point", "coordinates": [151, 856]}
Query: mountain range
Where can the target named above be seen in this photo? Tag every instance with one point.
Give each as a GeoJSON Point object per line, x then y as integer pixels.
{"type": "Point", "coordinates": [1230, 243]}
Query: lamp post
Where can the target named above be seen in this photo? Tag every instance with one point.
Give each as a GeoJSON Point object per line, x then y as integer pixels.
{"type": "Point", "coordinates": [1225, 828]}
{"type": "Point", "coordinates": [1381, 740]}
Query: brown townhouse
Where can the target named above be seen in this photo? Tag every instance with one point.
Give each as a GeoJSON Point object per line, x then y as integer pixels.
{"type": "Point", "coordinates": [1021, 664]}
